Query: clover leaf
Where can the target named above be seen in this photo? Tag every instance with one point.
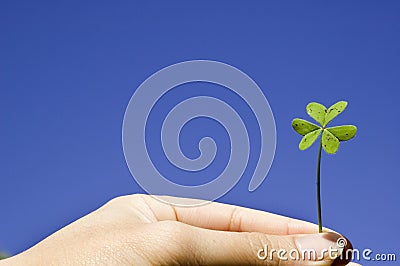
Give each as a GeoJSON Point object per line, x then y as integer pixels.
{"type": "Point", "coordinates": [331, 136]}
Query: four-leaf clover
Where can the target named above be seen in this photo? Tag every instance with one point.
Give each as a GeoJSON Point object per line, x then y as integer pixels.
{"type": "Point", "coordinates": [332, 136]}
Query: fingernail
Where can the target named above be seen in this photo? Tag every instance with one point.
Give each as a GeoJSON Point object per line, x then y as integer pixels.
{"type": "Point", "coordinates": [324, 246]}
{"type": "Point", "coordinates": [347, 253]}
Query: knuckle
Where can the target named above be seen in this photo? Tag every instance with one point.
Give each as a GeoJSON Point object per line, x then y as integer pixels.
{"type": "Point", "coordinates": [252, 243]}
{"type": "Point", "coordinates": [175, 230]}
{"type": "Point", "coordinates": [235, 221]}
{"type": "Point", "coordinates": [124, 200]}
{"type": "Point", "coordinates": [277, 248]}
{"type": "Point", "coordinates": [258, 240]}
{"type": "Point", "coordinates": [178, 238]}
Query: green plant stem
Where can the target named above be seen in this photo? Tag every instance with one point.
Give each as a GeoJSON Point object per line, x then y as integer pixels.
{"type": "Point", "coordinates": [319, 188]}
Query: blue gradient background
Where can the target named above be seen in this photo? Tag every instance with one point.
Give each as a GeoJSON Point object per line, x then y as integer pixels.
{"type": "Point", "coordinates": [67, 72]}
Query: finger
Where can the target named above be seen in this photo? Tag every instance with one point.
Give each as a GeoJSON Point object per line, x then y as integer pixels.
{"type": "Point", "coordinates": [218, 216]}
{"type": "Point", "coordinates": [198, 246]}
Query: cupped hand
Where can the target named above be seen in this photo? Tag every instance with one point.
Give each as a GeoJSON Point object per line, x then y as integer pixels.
{"type": "Point", "coordinates": [141, 230]}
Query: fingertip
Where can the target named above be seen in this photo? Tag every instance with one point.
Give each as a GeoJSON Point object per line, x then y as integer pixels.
{"type": "Point", "coordinates": [347, 249]}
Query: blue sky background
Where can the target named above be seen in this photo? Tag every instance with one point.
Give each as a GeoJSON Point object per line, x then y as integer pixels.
{"type": "Point", "coordinates": [68, 70]}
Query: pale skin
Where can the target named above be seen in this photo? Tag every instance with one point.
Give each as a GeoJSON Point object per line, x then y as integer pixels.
{"type": "Point", "coordinates": [141, 230]}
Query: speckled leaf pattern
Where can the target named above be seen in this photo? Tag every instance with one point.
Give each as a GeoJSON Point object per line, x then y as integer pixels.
{"type": "Point", "coordinates": [329, 142]}
{"type": "Point", "coordinates": [317, 111]}
{"type": "Point", "coordinates": [334, 111]}
{"type": "Point", "coordinates": [303, 127]}
{"type": "Point", "coordinates": [309, 139]}
{"type": "Point", "coordinates": [332, 136]}
{"type": "Point", "coordinates": [343, 133]}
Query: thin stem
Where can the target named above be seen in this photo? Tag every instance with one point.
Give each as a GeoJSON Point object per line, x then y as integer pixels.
{"type": "Point", "coordinates": [319, 188]}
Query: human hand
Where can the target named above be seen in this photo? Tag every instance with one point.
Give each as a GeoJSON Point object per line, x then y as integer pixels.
{"type": "Point", "coordinates": [141, 230]}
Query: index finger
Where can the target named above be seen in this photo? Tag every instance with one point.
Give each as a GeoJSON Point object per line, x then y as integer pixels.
{"type": "Point", "coordinates": [225, 217]}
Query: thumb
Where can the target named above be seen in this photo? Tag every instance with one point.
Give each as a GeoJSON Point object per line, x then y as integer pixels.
{"type": "Point", "coordinates": [210, 247]}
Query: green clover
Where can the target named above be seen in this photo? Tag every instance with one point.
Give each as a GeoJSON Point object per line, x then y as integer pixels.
{"type": "Point", "coordinates": [331, 136]}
